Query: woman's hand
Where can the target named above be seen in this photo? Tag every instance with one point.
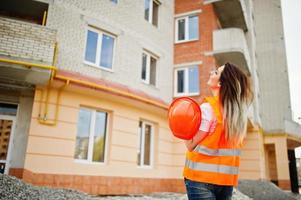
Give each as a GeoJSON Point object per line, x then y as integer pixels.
{"type": "Point", "coordinates": [191, 144]}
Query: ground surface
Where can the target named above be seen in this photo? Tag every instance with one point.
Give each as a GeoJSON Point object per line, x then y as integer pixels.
{"type": "Point", "coordinates": [12, 188]}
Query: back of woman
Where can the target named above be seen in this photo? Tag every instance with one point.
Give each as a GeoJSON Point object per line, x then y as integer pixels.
{"type": "Point", "coordinates": [213, 157]}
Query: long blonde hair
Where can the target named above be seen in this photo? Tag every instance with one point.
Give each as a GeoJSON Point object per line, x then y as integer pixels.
{"type": "Point", "coordinates": [235, 97]}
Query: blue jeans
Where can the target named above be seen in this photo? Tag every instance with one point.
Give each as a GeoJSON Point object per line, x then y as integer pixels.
{"type": "Point", "coordinates": [207, 191]}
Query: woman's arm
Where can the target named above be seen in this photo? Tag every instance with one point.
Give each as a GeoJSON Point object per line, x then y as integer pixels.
{"type": "Point", "coordinates": [191, 144]}
{"type": "Point", "coordinates": [207, 126]}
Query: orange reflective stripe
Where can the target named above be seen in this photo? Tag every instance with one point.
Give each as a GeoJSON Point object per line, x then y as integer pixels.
{"type": "Point", "coordinates": [214, 160]}
{"type": "Point", "coordinates": [204, 167]}
{"type": "Point", "coordinates": [216, 152]}
{"type": "Point", "coordinates": [211, 177]}
{"type": "Point", "coordinates": [223, 160]}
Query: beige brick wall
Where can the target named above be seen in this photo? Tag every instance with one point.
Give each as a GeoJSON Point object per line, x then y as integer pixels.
{"type": "Point", "coordinates": [133, 33]}
{"type": "Point", "coordinates": [27, 41]}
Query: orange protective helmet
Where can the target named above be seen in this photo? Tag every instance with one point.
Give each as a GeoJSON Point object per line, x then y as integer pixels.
{"type": "Point", "coordinates": [184, 116]}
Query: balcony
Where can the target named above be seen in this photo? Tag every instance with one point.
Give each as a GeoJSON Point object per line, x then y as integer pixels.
{"type": "Point", "coordinates": [231, 13]}
{"type": "Point", "coordinates": [292, 128]}
{"type": "Point", "coordinates": [22, 43]}
{"type": "Point", "coordinates": [229, 45]}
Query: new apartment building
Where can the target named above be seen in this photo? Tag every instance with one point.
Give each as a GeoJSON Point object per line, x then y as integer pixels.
{"type": "Point", "coordinates": [248, 33]}
{"type": "Point", "coordinates": [85, 87]}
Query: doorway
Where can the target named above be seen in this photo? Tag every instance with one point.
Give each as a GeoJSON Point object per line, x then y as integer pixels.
{"type": "Point", "coordinates": [7, 125]}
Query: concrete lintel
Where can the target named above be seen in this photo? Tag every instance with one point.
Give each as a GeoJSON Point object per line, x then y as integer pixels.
{"type": "Point", "coordinates": [188, 64]}
{"type": "Point", "coordinates": [194, 12]}
{"type": "Point", "coordinates": [210, 1]}
{"type": "Point", "coordinates": [97, 23]}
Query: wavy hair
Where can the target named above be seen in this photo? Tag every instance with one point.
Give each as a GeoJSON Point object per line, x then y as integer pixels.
{"type": "Point", "coordinates": [235, 97]}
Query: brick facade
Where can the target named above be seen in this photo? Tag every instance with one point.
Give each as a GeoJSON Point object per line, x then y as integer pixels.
{"type": "Point", "coordinates": [104, 185]}
{"type": "Point", "coordinates": [133, 33]}
{"type": "Point", "coordinates": [25, 40]}
{"type": "Point", "coordinates": [284, 184]}
{"type": "Point", "coordinates": [195, 50]}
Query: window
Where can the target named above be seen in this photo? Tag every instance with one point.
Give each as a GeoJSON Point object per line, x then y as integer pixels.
{"type": "Point", "coordinates": [187, 28]}
{"type": "Point", "coordinates": [145, 151]}
{"type": "Point", "coordinates": [151, 11]}
{"type": "Point", "coordinates": [8, 109]}
{"type": "Point", "coordinates": [149, 69]}
{"type": "Point", "coordinates": [114, 1]}
{"type": "Point", "coordinates": [99, 49]}
{"type": "Point", "coordinates": [187, 81]}
{"type": "Point", "coordinates": [91, 135]}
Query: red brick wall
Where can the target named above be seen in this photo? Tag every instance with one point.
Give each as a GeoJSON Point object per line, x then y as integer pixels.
{"type": "Point", "coordinates": [101, 184]}
{"type": "Point", "coordinates": [16, 172]}
{"type": "Point", "coordinates": [109, 185]}
{"type": "Point", "coordinates": [194, 50]}
{"type": "Point", "coordinates": [284, 184]}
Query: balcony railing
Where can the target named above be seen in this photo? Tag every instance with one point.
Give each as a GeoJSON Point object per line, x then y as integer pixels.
{"type": "Point", "coordinates": [25, 43]}
{"type": "Point", "coordinates": [231, 13]}
{"type": "Point", "coordinates": [229, 45]}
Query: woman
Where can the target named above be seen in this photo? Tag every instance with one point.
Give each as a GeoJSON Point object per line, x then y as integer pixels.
{"type": "Point", "coordinates": [212, 160]}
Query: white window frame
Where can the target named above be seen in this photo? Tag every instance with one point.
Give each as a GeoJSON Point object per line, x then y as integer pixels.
{"type": "Point", "coordinates": [150, 16]}
{"type": "Point", "coordinates": [89, 159]}
{"type": "Point", "coordinates": [186, 18]}
{"type": "Point", "coordinates": [147, 73]}
{"type": "Point", "coordinates": [141, 145]}
{"type": "Point", "coordinates": [98, 49]}
{"type": "Point", "coordinates": [186, 81]}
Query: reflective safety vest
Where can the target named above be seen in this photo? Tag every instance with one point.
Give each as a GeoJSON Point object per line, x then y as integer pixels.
{"type": "Point", "coordinates": [214, 160]}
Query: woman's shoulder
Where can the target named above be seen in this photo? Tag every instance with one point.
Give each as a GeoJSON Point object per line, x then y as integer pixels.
{"type": "Point", "coordinates": [206, 106]}
{"type": "Point", "coordinates": [207, 111]}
